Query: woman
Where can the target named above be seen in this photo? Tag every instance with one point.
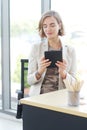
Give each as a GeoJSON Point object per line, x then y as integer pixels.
{"type": "Point", "coordinates": [41, 78]}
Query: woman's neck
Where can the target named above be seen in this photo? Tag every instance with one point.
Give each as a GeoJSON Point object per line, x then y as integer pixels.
{"type": "Point", "coordinates": [55, 43]}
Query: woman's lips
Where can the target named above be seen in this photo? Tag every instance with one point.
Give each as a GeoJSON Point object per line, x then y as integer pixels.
{"type": "Point", "coordinates": [49, 33]}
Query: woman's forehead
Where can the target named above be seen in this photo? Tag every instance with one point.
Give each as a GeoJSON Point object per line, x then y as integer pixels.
{"type": "Point", "coordinates": [49, 19]}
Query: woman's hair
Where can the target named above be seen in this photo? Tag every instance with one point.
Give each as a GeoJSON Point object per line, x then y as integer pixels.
{"type": "Point", "coordinates": [50, 14]}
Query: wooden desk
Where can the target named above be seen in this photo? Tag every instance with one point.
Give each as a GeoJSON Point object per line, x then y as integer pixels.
{"type": "Point", "coordinates": [51, 112]}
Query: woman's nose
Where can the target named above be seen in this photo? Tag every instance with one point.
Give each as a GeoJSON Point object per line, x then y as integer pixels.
{"type": "Point", "coordinates": [48, 28]}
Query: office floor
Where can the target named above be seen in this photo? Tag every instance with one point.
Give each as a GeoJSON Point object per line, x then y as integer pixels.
{"type": "Point", "coordinates": [8, 122]}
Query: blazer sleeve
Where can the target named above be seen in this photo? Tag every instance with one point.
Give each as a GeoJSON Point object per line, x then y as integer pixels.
{"type": "Point", "coordinates": [33, 64]}
{"type": "Point", "coordinates": [71, 74]}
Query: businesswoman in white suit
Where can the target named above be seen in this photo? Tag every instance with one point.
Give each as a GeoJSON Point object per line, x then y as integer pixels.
{"type": "Point", "coordinates": [42, 78]}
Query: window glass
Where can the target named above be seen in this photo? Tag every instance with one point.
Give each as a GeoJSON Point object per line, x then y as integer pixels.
{"type": "Point", "coordinates": [24, 16]}
{"type": "Point", "coordinates": [74, 17]}
{"type": "Point", "coordinates": [0, 61]}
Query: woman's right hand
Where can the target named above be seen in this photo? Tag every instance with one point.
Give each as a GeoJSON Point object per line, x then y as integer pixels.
{"type": "Point", "coordinates": [44, 63]}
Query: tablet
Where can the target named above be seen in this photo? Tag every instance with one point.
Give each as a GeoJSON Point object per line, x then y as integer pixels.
{"type": "Point", "coordinates": [53, 56]}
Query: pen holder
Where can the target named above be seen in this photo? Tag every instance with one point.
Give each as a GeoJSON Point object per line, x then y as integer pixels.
{"type": "Point", "coordinates": [73, 98]}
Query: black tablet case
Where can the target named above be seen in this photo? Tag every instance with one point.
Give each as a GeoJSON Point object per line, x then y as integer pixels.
{"type": "Point", "coordinates": [53, 56]}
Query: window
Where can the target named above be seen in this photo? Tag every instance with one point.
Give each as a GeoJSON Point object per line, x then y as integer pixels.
{"type": "Point", "coordinates": [0, 61]}
{"type": "Point", "coordinates": [75, 22]}
{"type": "Point", "coordinates": [24, 16]}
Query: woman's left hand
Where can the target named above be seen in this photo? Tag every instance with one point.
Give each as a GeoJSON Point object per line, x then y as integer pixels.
{"type": "Point", "coordinates": [62, 68]}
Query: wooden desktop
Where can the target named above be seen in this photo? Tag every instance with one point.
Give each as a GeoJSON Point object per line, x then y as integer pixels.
{"type": "Point", "coordinates": [50, 111]}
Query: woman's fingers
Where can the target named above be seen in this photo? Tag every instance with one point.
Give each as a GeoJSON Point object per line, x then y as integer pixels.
{"type": "Point", "coordinates": [62, 65]}
{"type": "Point", "coordinates": [44, 63]}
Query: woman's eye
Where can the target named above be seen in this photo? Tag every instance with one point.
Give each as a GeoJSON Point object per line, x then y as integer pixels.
{"type": "Point", "coordinates": [52, 25]}
{"type": "Point", "coordinates": [44, 26]}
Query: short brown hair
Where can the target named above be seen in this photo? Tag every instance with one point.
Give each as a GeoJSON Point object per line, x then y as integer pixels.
{"type": "Point", "coordinates": [49, 14]}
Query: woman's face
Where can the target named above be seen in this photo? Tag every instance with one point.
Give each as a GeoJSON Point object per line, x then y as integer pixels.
{"type": "Point", "coordinates": [51, 27]}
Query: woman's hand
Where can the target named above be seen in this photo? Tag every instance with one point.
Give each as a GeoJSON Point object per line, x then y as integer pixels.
{"type": "Point", "coordinates": [44, 63]}
{"type": "Point", "coordinates": [62, 68]}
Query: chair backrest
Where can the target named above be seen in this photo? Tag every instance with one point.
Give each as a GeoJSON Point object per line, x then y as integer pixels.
{"type": "Point", "coordinates": [21, 92]}
{"type": "Point", "coordinates": [23, 68]}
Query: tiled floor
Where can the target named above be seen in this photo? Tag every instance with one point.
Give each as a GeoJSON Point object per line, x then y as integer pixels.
{"type": "Point", "coordinates": [10, 122]}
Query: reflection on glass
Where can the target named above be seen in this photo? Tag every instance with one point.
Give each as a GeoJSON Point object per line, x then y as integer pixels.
{"type": "Point", "coordinates": [75, 21]}
{"type": "Point", "coordinates": [24, 16]}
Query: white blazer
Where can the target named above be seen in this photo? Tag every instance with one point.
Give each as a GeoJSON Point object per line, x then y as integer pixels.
{"type": "Point", "coordinates": [36, 52]}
